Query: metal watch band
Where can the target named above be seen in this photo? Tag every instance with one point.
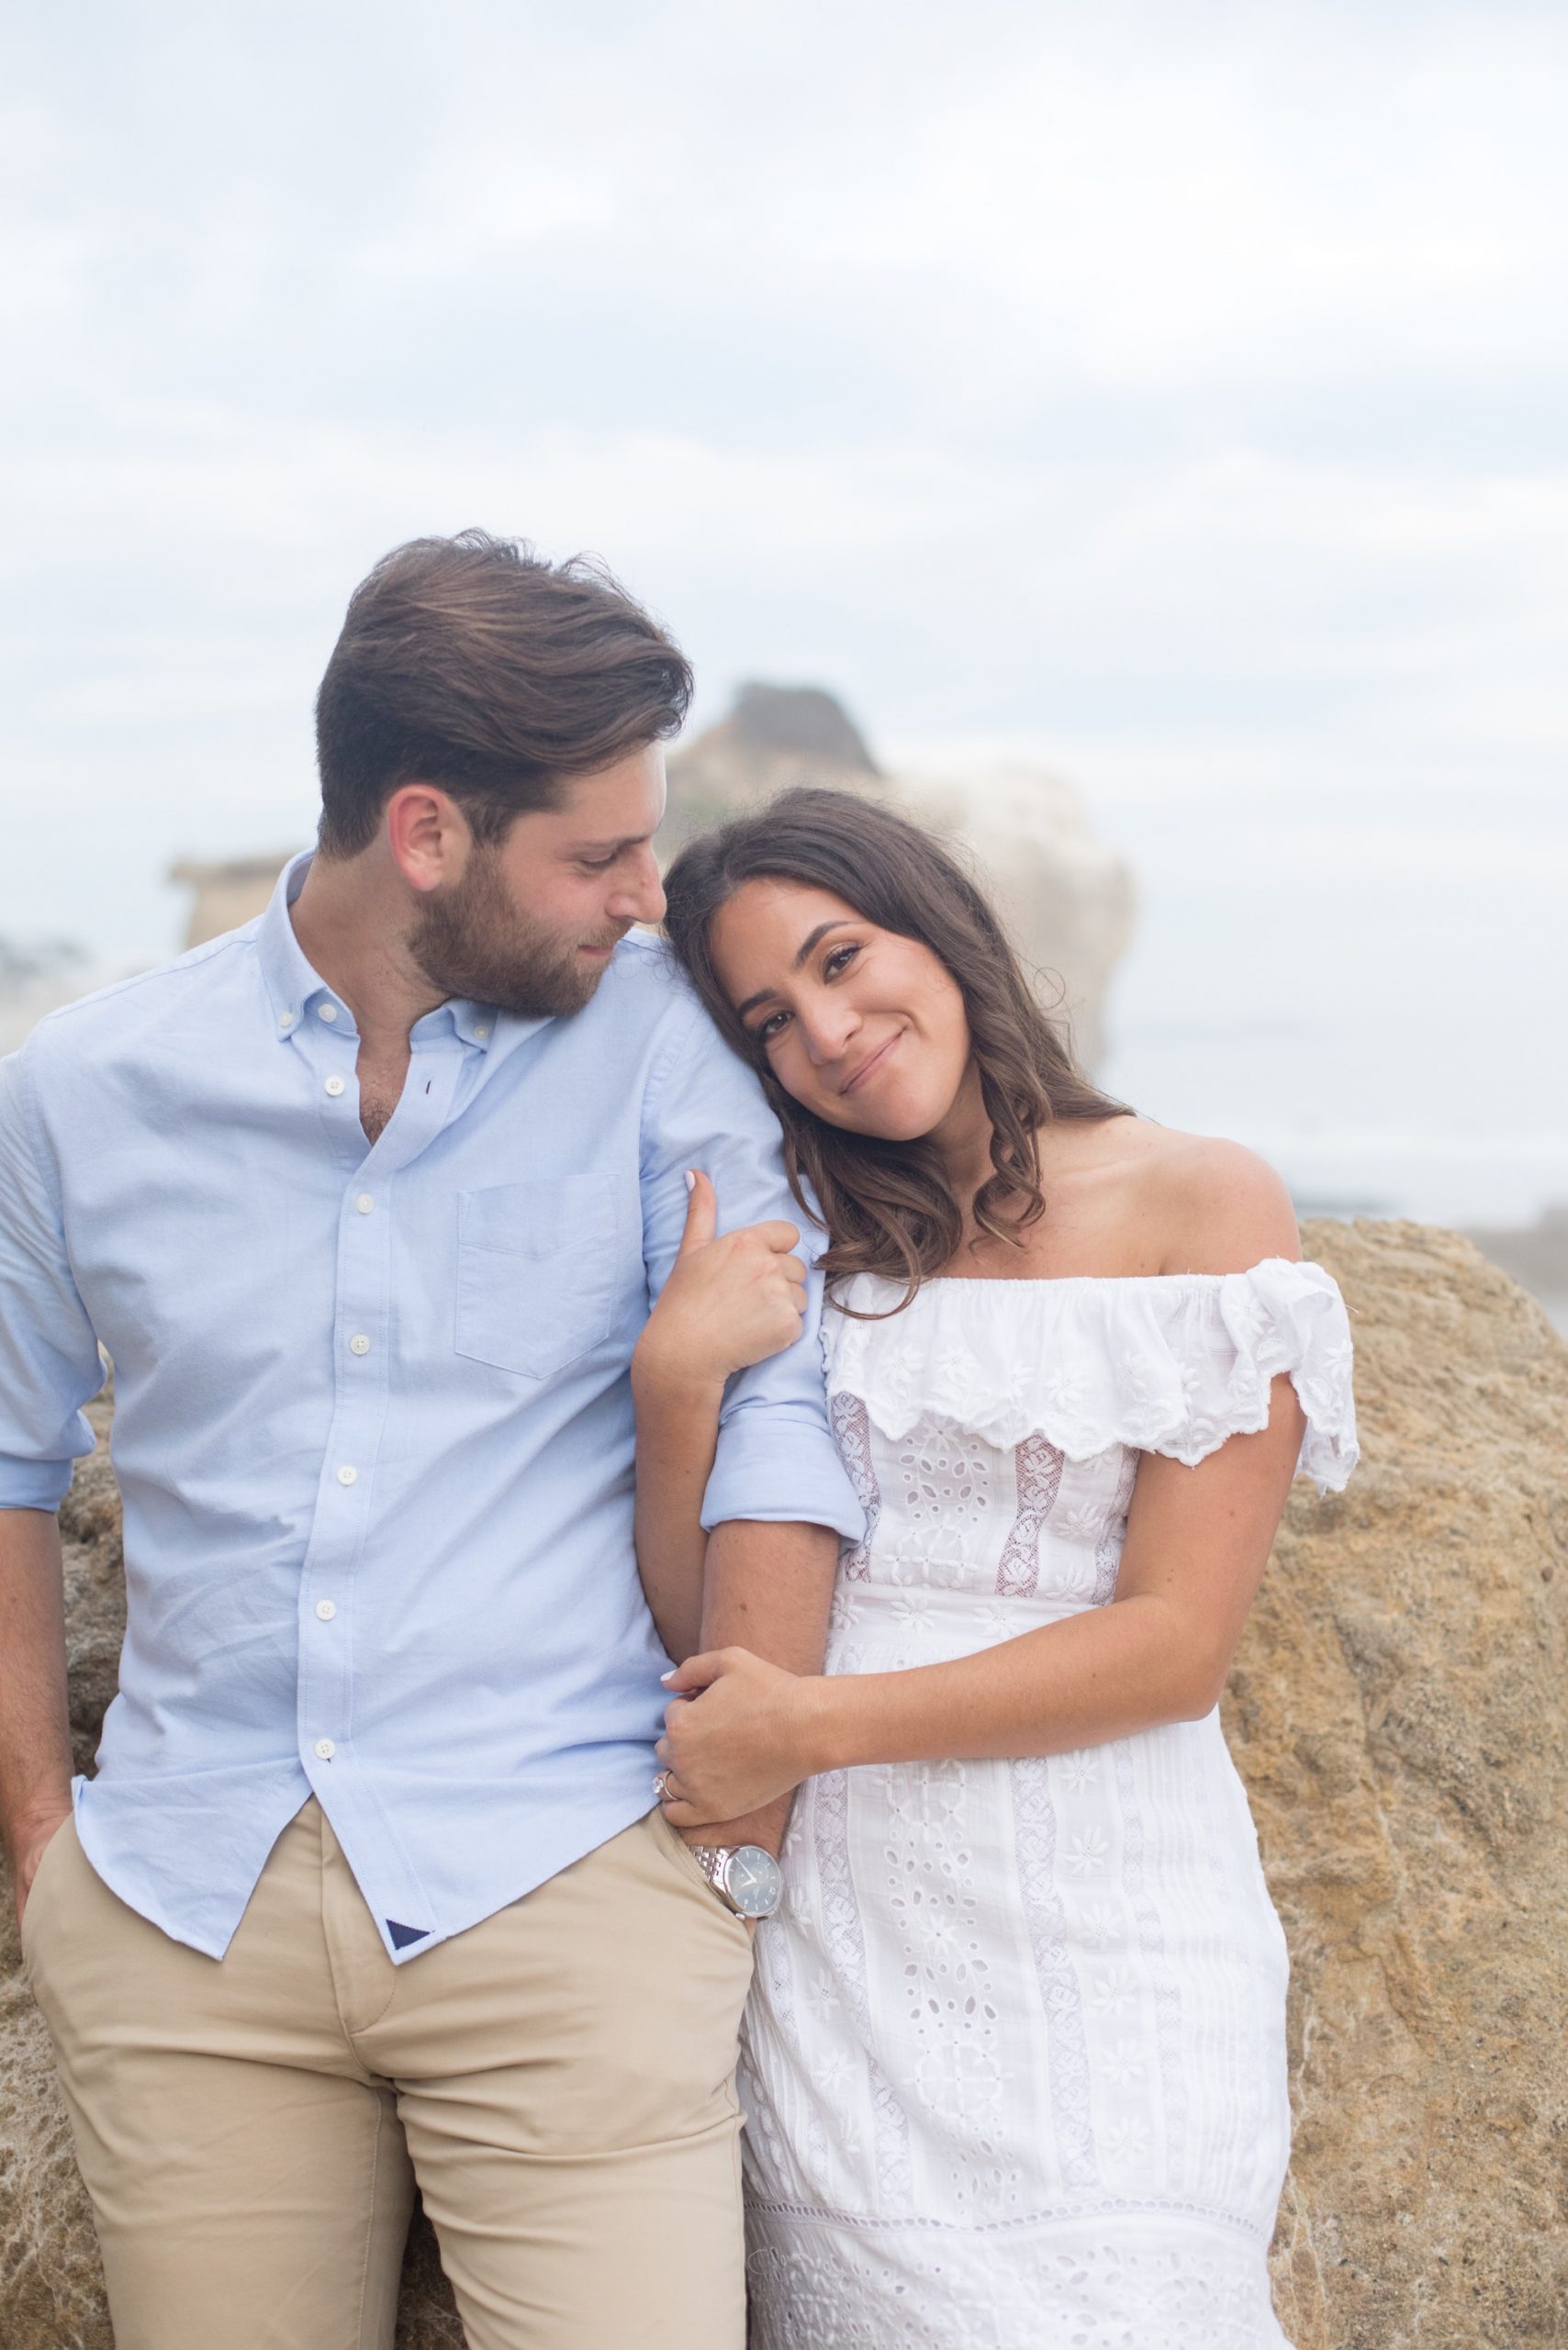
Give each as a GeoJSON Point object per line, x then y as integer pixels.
{"type": "Point", "coordinates": [760, 1886]}
{"type": "Point", "coordinates": [710, 1859]}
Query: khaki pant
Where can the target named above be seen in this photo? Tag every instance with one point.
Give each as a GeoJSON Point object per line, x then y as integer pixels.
{"type": "Point", "coordinates": [558, 2081]}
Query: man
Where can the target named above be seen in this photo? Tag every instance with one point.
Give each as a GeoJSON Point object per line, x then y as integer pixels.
{"type": "Point", "coordinates": [366, 1202]}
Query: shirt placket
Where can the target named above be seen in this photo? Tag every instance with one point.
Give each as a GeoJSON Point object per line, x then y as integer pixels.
{"type": "Point", "coordinates": [331, 1590]}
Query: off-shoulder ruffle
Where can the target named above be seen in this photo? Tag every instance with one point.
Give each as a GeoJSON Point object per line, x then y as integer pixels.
{"type": "Point", "coordinates": [1171, 1363]}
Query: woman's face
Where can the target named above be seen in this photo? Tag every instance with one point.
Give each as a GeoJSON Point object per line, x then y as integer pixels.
{"type": "Point", "coordinates": [866, 1028]}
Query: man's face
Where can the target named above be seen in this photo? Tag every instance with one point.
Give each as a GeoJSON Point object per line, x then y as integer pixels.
{"type": "Point", "coordinates": [532, 922]}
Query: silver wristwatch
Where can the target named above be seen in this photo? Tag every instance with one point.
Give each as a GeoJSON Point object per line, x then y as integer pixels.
{"type": "Point", "coordinates": [746, 1878]}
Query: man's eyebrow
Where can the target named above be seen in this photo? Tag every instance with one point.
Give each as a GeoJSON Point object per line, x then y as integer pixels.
{"type": "Point", "coordinates": [812, 938]}
{"type": "Point", "coordinates": [608, 848]}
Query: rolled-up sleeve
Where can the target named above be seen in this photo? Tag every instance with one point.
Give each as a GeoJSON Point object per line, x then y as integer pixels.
{"type": "Point", "coordinates": [775, 1460]}
{"type": "Point", "coordinates": [50, 1364]}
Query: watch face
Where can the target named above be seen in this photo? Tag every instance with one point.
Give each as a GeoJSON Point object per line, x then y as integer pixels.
{"type": "Point", "coordinates": [754, 1881]}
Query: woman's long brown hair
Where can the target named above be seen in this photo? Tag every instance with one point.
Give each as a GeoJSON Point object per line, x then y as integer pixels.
{"type": "Point", "coordinates": [888, 1207]}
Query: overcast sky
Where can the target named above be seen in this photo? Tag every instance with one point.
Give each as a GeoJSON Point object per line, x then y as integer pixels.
{"type": "Point", "coordinates": [1177, 392]}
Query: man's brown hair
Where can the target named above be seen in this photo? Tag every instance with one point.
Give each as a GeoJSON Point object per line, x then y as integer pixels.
{"type": "Point", "coordinates": [472, 663]}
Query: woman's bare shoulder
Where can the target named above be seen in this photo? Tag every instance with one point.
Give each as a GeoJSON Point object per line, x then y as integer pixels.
{"type": "Point", "coordinates": [1206, 1205]}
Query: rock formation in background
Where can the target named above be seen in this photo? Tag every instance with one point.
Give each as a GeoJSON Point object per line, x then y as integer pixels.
{"type": "Point", "coordinates": [227, 894]}
{"type": "Point", "coordinates": [1066, 898]}
{"type": "Point", "coordinates": [1398, 1710]}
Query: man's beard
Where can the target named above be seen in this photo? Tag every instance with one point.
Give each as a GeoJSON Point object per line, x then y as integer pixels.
{"type": "Point", "coordinates": [472, 942]}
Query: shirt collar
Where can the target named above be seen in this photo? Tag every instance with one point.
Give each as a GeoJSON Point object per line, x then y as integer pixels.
{"type": "Point", "coordinates": [291, 982]}
{"type": "Point", "coordinates": [296, 989]}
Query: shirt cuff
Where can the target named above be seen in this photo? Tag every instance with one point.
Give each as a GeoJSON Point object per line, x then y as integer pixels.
{"type": "Point", "coordinates": [34, 1484]}
{"type": "Point", "coordinates": [780, 1467]}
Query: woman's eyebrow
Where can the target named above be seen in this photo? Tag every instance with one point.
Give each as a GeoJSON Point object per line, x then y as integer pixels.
{"type": "Point", "coordinates": [821, 932]}
{"type": "Point", "coordinates": [812, 938]}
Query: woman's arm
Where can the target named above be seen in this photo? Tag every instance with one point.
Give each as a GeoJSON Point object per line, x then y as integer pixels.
{"type": "Point", "coordinates": [728, 1303]}
{"type": "Point", "coordinates": [1197, 1543]}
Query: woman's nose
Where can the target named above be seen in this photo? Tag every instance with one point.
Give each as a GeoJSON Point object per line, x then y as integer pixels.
{"type": "Point", "coordinates": [827, 1028]}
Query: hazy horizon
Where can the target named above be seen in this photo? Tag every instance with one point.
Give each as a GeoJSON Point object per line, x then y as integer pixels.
{"type": "Point", "coordinates": [1172, 394]}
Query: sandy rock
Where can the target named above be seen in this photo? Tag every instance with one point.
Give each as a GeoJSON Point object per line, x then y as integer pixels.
{"type": "Point", "coordinates": [1398, 1714]}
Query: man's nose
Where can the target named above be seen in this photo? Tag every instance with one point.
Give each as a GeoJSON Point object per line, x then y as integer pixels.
{"type": "Point", "coordinates": [641, 894]}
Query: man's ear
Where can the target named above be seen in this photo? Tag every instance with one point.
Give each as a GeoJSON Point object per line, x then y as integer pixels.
{"type": "Point", "coordinates": [428, 835]}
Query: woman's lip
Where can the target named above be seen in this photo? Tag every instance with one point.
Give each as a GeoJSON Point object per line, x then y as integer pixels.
{"type": "Point", "coordinates": [864, 1072]}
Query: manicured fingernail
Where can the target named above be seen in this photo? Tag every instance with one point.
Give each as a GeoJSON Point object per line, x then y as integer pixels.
{"type": "Point", "coordinates": [668, 1676]}
{"type": "Point", "coordinates": [691, 1180]}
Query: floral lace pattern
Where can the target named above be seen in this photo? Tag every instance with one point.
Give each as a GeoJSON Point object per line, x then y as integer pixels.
{"type": "Point", "coordinates": [1110, 2284]}
{"type": "Point", "coordinates": [1038, 1465]}
{"type": "Point", "coordinates": [852, 1433]}
{"type": "Point", "coordinates": [1035, 1838]}
{"type": "Point", "coordinates": [846, 1939]}
{"type": "Point", "coordinates": [1015, 2055]}
{"type": "Point", "coordinates": [1172, 1363]}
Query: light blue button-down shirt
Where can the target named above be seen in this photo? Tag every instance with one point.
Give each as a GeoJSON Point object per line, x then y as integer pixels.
{"type": "Point", "coordinates": [373, 1423]}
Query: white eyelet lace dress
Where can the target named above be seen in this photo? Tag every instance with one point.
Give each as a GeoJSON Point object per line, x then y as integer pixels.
{"type": "Point", "coordinates": [1013, 2063]}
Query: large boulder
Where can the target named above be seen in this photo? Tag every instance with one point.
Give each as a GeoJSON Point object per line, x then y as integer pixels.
{"type": "Point", "coordinates": [1398, 1713]}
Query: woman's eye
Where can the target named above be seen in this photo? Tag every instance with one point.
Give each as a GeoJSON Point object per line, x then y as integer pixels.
{"type": "Point", "coordinates": [592, 865]}
{"type": "Point", "coordinates": [838, 960]}
{"type": "Point", "coordinates": [765, 1030]}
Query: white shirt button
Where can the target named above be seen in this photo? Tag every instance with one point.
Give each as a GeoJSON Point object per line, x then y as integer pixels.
{"type": "Point", "coordinates": [347, 1476]}
{"type": "Point", "coordinates": [286, 1019]}
{"type": "Point", "coordinates": [326, 1012]}
{"type": "Point", "coordinates": [481, 1029]}
{"type": "Point", "coordinates": [364, 1203]}
{"type": "Point", "coordinates": [334, 1086]}
{"type": "Point", "coordinates": [326, 1609]}
{"type": "Point", "coordinates": [359, 1344]}
{"type": "Point", "coordinates": [325, 1750]}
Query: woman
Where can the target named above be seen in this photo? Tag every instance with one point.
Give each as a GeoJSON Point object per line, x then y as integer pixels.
{"type": "Point", "coordinates": [1015, 2061]}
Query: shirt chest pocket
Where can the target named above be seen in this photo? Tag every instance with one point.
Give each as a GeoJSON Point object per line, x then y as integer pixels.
{"type": "Point", "coordinates": [536, 1272]}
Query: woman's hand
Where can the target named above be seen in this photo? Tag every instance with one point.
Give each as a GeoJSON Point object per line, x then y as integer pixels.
{"type": "Point", "coordinates": [737, 1737]}
{"type": "Point", "coordinates": [729, 1301]}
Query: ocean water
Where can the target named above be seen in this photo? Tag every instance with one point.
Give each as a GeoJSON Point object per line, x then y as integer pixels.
{"type": "Point", "coordinates": [1370, 989]}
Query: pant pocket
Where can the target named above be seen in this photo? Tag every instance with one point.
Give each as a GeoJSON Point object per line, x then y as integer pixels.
{"type": "Point", "coordinates": [678, 1853]}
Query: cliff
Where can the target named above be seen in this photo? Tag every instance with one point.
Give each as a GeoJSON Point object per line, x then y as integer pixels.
{"type": "Point", "coordinates": [1398, 1711]}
